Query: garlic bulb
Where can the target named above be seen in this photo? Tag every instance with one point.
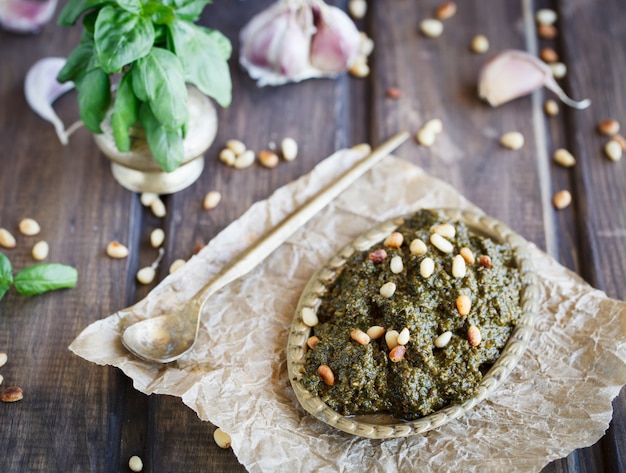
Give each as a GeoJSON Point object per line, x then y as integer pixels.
{"type": "Point", "coordinates": [294, 40]}
{"type": "Point", "coordinates": [26, 16]}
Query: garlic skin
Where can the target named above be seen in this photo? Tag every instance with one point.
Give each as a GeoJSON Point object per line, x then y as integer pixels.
{"type": "Point", "coordinates": [41, 89]}
{"type": "Point", "coordinates": [294, 40]}
{"type": "Point", "coordinates": [512, 73]}
{"type": "Point", "coordinates": [26, 16]}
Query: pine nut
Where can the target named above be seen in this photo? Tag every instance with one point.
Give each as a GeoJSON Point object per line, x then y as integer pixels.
{"type": "Point", "coordinates": [3, 359]}
{"type": "Point", "coordinates": [326, 374]}
{"type": "Point", "coordinates": [367, 44]}
{"type": "Point", "coordinates": [427, 267]}
{"type": "Point", "coordinates": [394, 93]}
{"type": "Point", "coordinates": [434, 124]}
{"type": "Point", "coordinates": [546, 16]}
{"type": "Point", "coordinates": [443, 339]}
{"type": "Point", "coordinates": [394, 240]}
{"type": "Point", "coordinates": [559, 70]}
{"type": "Point", "coordinates": [40, 250]}
{"type": "Point", "coordinates": [375, 332]}
{"type": "Point", "coordinates": [548, 55]}
{"type": "Point", "coordinates": [391, 339]}
{"type": "Point", "coordinates": [244, 160]}
{"type": "Point", "coordinates": [7, 240]}
{"type": "Point", "coordinates": [621, 140]}
{"type": "Point", "coordinates": [441, 243]}
{"type": "Point", "coordinates": [467, 255]}
{"type": "Point", "coordinates": [547, 31]}
{"type": "Point", "coordinates": [236, 146]}
{"type": "Point", "coordinates": [227, 156]}
{"type": "Point", "coordinates": [485, 261]}
{"type": "Point", "coordinates": [135, 464]}
{"type": "Point", "coordinates": [404, 336]}
{"type": "Point", "coordinates": [463, 305]}
{"type": "Point", "coordinates": [397, 353]}
{"type": "Point", "coordinates": [360, 68]}
{"type": "Point", "coordinates": [417, 247]}
{"type": "Point", "coordinates": [147, 198]}
{"type": "Point", "coordinates": [458, 267]}
{"type": "Point", "coordinates": [146, 275]}
{"type": "Point", "coordinates": [425, 137]}
{"type": "Point", "coordinates": [562, 199]}
{"type": "Point", "coordinates": [357, 9]}
{"type": "Point", "coordinates": [309, 317]}
{"type": "Point", "coordinates": [312, 341]}
{"type": "Point", "coordinates": [11, 394]}
{"type": "Point", "coordinates": [564, 158]}
{"type": "Point", "coordinates": [513, 140]}
{"type": "Point", "coordinates": [479, 44]}
{"type": "Point", "coordinates": [445, 11]}
{"type": "Point", "coordinates": [377, 256]}
{"type": "Point", "coordinates": [360, 337]}
{"type": "Point", "coordinates": [157, 237]}
{"type": "Point", "coordinates": [431, 28]}
{"type": "Point", "coordinates": [116, 250]}
{"type": "Point", "coordinates": [1, 379]}
{"type": "Point", "coordinates": [445, 230]}
{"type": "Point", "coordinates": [613, 150]}
{"type": "Point", "coordinates": [551, 108]}
{"type": "Point", "coordinates": [396, 265]}
{"type": "Point", "coordinates": [211, 199]}
{"type": "Point", "coordinates": [609, 127]}
{"type": "Point", "coordinates": [158, 208]}
{"type": "Point", "coordinates": [176, 265]}
{"type": "Point", "coordinates": [473, 336]}
{"type": "Point", "coordinates": [29, 227]}
{"type": "Point", "coordinates": [388, 289]}
{"type": "Point", "coordinates": [222, 439]}
{"type": "Point", "coordinates": [268, 159]}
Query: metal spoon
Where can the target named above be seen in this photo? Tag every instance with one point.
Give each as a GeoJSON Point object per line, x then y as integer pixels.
{"type": "Point", "coordinates": [166, 337]}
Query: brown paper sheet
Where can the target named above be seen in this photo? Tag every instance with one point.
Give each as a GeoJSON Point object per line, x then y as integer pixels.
{"type": "Point", "coordinates": [556, 400]}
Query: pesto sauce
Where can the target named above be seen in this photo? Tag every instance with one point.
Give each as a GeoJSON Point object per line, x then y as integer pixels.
{"type": "Point", "coordinates": [428, 378]}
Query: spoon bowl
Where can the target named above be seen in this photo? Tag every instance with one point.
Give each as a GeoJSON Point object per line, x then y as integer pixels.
{"type": "Point", "coordinates": [167, 337]}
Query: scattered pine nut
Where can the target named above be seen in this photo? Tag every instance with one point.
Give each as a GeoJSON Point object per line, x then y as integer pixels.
{"type": "Point", "coordinates": [269, 159]}
{"type": "Point", "coordinates": [391, 339]}
{"type": "Point", "coordinates": [312, 341]}
{"type": "Point", "coordinates": [176, 265]}
{"type": "Point", "coordinates": [434, 124]}
{"type": "Point", "coordinates": [547, 31]}
{"type": "Point", "coordinates": [147, 198]}
{"type": "Point", "coordinates": [1, 379]}
{"type": "Point", "coordinates": [394, 240]}
{"type": "Point", "coordinates": [360, 337]}
{"type": "Point", "coordinates": [357, 9]}
{"type": "Point", "coordinates": [146, 275]}
{"type": "Point", "coordinates": [485, 261]}
{"type": "Point", "coordinates": [396, 265]}
{"type": "Point", "coordinates": [245, 159]}
{"type": "Point", "coordinates": [394, 93]}
{"type": "Point", "coordinates": [417, 247]}
{"type": "Point", "coordinates": [377, 256]}
{"type": "Point", "coordinates": [116, 250]}
{"type": "Point", "coordinates": [404, 336]}
{"type": "Point", "coordinates": [11, 394]}
{"type": "Point", "coordinates": [135, 464]}
{"type": "Point", "coordinates": [562, 199]}
{"type": "Point", "coordinates": [375, 332]}
{"type": "Point", "coordinates": [40, 250]}
{"type": "Point", "coordinates": [425, 137]}
{"type": "Point", "coordinates": [463, 304]}
{"type": "Point", "coordinates": [473, 336]}
{"type": "Point", "coordinates": [445, 11]}
{"type": "Point", "coordinates": [431, 28]}
{"type": "Point", "coordinates": [609, 127]}
{"type": "Point", "coordinates": [222, 439]}
{"type": "Point", "coordinates": [158, 208]}
{"type": "Point", "coordinates": [157, 237]}
{"type": "Point", "coordinates": [445, 230]}
{"type": "Point", "coordinates": [427, 267]}
{"type": "Point", "coordinates": [227, 156]}
{"type": "Point", "coordinates": [3, 359]}
{"type": "Point", "coordinates": [7, 240]}
{"type": "Point", "coordinates": [459, 268]}
{"type": "Point", "coordinates": [388, 289]}
{"type": "Point", "coordinates": [236, 146]}
{"type": "Point", "coordinates": [443, 339]}
{"type": "Point", "coordinates": [613, 149]}
{"type": "Point", "coordinates": [441, 243]}
{"type": "Point", "coordinates": [513, 140]}
{"type": "Point", "coordinates": [551, 108]}
{"type": "Point", "coordinates": [467, 255]}
{"type": "Point", "coordinates": [289, 149]}
{"type": "Point", "coordinates": [360, 67]}
{"type": "Point", "coordinates": [564, 158]}
{"type": "Point", "coordinates": [326, 374]}
{"type": "Point", "coordinates": [479, 44]}
{"type": "Point", "coordinates": [211, 199]}
{"type": "Point", "coordinates": [621, 140]}
{"type": "Point", "coordinates": [397, 353]}
{"type": "Point", "coordinates": [559, 70]}
{"type": "Point", "coordinates": [29, 227]}
{"type": "Point", "coordinates": [309, 317]}
{"type": "Point", "coordinates": [546, 16]}
{"type": "Point", "coordinates": [367, 44]}
{"type": "Point", "coordinates": [548, 55]}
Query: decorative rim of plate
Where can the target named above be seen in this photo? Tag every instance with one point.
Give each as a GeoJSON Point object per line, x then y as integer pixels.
{"type": "Point", "coordinates": [383, 426]}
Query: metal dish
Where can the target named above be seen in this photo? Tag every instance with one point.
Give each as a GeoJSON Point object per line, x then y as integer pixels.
{"type": "Point", "coordinates": [382, 426]}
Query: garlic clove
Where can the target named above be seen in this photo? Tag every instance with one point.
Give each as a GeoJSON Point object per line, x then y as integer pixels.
{"type": "Point", "coordinates": [26, 16]}
{"type": "Point", "coordinates": [337, 41]}
{"type": "Point", "coordinates": [513, 73]}
{"type": "Point", "coordinates": [41, 90]}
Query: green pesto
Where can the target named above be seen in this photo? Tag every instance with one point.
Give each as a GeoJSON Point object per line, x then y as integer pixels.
{"type": "Point", "coordinates": [428, 378]}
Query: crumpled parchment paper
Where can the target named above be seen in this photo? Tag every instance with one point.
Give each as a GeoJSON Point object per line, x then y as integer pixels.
{"type": "Point", "coordinates": [556, 400]}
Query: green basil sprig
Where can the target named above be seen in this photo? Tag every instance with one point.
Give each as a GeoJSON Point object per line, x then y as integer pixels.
{"type": "Point", "coordinates": [157, 48]}
{"type": "Point", "coordinates": [37, 278]}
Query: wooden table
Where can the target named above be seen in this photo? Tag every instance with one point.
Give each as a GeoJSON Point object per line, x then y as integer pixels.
{"type": "Point", "coordinates": [76, 416]}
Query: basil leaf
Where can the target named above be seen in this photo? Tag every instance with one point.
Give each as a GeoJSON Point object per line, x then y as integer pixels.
{"type": "Point", "coordinates": [94, 98]}
{"type": "Point", "coordinates": [44, 277]}
{"type": "Point", "coordinates": [124, 112]}
{"type": "Point", "coordinates": [190, 10]}
{"type": "Point", "coordinates": [6, 274]}
{"type": "Point", "coordinates": [161, 77]}
{"type": "Point", "coordinates": [74, 8]}
{"type": "Point", "coordinates": [166, 145]}
{"type": "Point", "coordinates": [78, 62]}
{"type": "Point", "coordinates": [204, 55]}
{"type": "Point", "coordinates": [159, 13]}
{"type": "Point", "coordinates": [121, 38]}
{"type": "Point", "coordinates": [132, 6]}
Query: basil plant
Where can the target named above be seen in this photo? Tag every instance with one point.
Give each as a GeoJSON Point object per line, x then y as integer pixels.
{"type": "Point", "coordinates": [156, 48]}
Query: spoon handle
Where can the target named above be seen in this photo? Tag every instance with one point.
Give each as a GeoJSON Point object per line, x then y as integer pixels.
{"type": "Point", "coordinates": [277, 235]}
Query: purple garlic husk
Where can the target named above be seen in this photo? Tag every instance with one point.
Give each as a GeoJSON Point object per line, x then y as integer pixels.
{"type": "Point", "coordinates": [26, 16]}
{"type": "Point", "coordinates": [294, 40]}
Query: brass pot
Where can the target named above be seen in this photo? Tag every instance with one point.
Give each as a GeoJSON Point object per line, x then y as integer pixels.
{"type": "Point", "coordinates": [136, 170]}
